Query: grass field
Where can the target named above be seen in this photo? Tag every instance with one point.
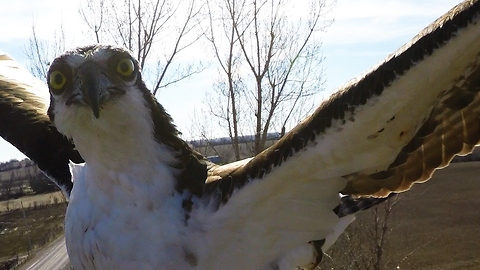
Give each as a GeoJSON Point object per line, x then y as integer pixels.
{"type": "Point", "coordinates": [32, 201]}
{"type": "Point", "coordinates": [434, 226]}
{"type": "Point", "coordinates": [31, 228]}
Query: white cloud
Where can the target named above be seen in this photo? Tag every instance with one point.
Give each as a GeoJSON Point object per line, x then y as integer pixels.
{"type": "Point", "coordinates": [373, 21]}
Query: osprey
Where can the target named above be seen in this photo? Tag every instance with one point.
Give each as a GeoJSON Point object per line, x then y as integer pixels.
{"type": "Point", "coordinates": [143, 199]}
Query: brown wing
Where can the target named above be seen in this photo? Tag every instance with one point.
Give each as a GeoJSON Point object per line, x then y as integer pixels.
{"type": "Point", "coordinates": [453, 128]}
{"type": "Point", "coordinates": [391, 127]}
{"type": "Point", "coordinates": [25, 124]}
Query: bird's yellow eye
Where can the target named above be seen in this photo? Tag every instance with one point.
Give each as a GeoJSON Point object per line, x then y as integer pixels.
{"type": "Point", "coordinates": [57, 80]}
{"type": "Point", "coordinates": [125, 67]}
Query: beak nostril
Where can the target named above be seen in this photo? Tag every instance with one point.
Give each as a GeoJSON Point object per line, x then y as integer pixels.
{"type": "Point", "coordinates": [115, 90]}
{"type": "Point", "coordinates": [74, 99]}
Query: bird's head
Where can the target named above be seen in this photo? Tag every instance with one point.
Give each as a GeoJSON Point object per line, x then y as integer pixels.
{"type": "Point", "coordinates": [90, 77]}
{"type": "Point", "coordinates": [98, 99]}
{"type": "Point", "coordinates": [91, 83]}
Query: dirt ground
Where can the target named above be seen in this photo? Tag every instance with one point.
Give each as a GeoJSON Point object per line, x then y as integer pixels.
{"type": "Point", "coordinates": [441, 218]}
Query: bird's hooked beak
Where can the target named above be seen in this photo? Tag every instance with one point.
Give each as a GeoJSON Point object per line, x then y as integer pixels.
{"type": "Point", "coordinates": [91, 82]}
{"type": "Point", "coordinates": [95, 86]}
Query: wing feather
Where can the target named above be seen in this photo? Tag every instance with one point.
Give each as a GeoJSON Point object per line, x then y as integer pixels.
{"type": "Point", "coordinates": [380, 134]}
{"type": "Point", "coordinates": [452, 128]}
{"type": "Point", "coordinates": [25, 124]}
{"type": "Point", "coordinates": [404, 119]}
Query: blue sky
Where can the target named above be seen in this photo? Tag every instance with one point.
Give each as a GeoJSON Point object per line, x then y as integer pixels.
{"type": "Point", "coordinates": [364, 33]}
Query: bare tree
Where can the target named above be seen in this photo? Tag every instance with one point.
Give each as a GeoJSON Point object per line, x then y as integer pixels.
{"type": "Point", "coordinates": [165, 26]}
{"type": "Point", "coordinates": [12, 186]}
{"type": "Point", "coordinates": [158, 32]}
{"type": "Point", "coordinates": [40, 52]}
{"type": "Point", "coordinates": [379, 233]}
{"type": "Point", "coordinates": [7, 186]}
{"type": "Point", "coordinates": [369, 234]}
{"type": "Point", "coordinates": [269, 64]}
{"type": "Point", "coordinates": [204, 144]}
{"type": "Point", "coordinates": [208, 143]}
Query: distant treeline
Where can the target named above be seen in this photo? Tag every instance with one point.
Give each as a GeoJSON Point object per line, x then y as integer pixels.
{"type": "Point", "coordinates": [20, 178]}
{"type": "Point", "coordinates": [15, 164]}
{"type": "Point", "coordinates": [228, 140]}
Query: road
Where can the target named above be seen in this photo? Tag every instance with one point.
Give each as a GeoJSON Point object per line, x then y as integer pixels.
{"type": "Point", "coordinates": [52, 257]}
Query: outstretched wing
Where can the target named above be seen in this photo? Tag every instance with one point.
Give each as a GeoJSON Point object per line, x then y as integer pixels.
{"type": "Point", "coordinates": [25, 124]}
{"type": "Point", "coordinates": [381, 133]}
